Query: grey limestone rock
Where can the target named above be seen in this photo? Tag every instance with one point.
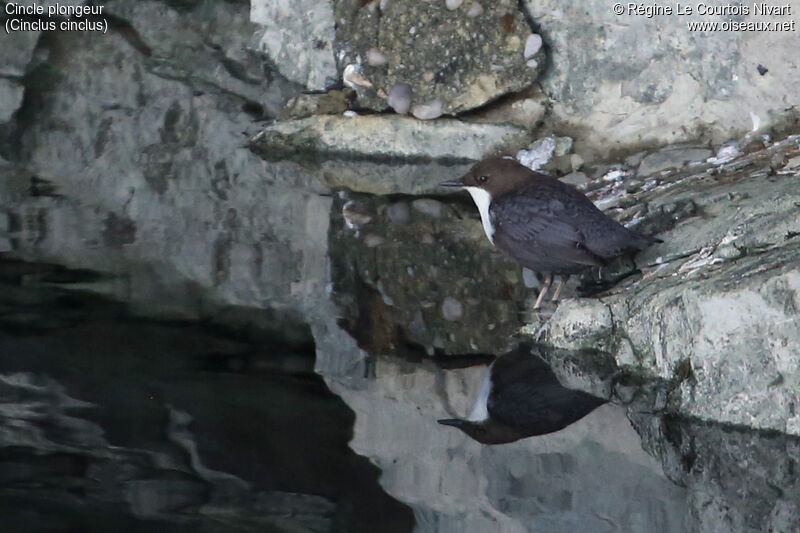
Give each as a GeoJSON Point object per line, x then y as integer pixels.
{"type": "Point", "coordinates": [385, 154]}
{"type": "Point", "coordinates": [144, 172]}
{"type": "Point", "coordinates": [299, 37]}
{"type": "Point", "coordinates": [16, 53]}
{"type": "Point", "coordinates": [11, 92]}
{"type": "Point", "coordinates": [629, 79]}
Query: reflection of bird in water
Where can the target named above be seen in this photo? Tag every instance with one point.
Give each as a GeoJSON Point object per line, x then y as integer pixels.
{"type": "Point", "coordinates": [546, 225]}
{"type": "Point", "coordinates": [521, 397]}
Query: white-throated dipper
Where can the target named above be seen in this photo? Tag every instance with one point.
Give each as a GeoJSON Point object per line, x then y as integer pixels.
{"type": "Point", "coordinates": [546, 225]}
{"type": "Point", "coordinates": [521, 397]}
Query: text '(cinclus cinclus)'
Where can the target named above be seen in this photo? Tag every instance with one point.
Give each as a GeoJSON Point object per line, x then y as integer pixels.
{"type": "Point", "coordinates": [521, 397]}
{"type": "Point", "coordinates": [546, 225]}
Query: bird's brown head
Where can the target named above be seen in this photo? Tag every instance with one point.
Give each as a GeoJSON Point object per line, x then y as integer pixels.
{"type": "Point", "coordinates": [496, 175]}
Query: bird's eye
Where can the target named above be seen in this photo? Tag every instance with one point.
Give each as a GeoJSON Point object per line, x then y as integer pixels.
{"type": "Point", "coordinates": [483, 179]}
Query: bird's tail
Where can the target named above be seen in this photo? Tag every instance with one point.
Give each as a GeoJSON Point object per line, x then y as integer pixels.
{"type": "Point", "coordinates": [640, 241]}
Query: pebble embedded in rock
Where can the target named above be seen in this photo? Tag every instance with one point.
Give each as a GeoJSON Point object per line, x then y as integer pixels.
{"type": "Point", "coordinates": [417, 325]}
{"type": "Point", "coordinates": [453, 4]}
{"type": "Point", "coordinates": [375, 58]}
{"type": "Point", "coordinates": [399, 98]}
{"type": "Point", "coordinates": [428, 111]}
{"type": "Point", "coordinates": [474, 10]}
{"type": "Point", "coordinates": [373, 240]}
{"type": "Point", "coordinates": [428, 207]}
{"type": "Point", "coordinates": [452, 309]}
{"type": "Point", "coordinates": [577, 179]}
{"type": "Point", "coordinates": [354, 215]}
{"type": "Point", "coordinates": [398, 213]}
{"type": "Point", "coordinates": [778, 161]}
{"type": "Point", "coordinates": [353, 78]}
{"type": "Point", "coordinates": [529, 278]}
{"type": "Point", "coordinates": [532, 45]}
{"type": "Point", "coordinates": [388, 300]}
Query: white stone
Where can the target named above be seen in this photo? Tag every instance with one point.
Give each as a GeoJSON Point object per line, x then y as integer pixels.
{"type": "Point", "coordinates": [428, 111]}
{"type": "Point", "coordinates": [372, 240]}
{"type": "Point", "coordinates": [532, 45]}
{"type": "Point", "coordinates": [475, 10]}
{"type": "Point", "coordinates": [452, 309]}
{"type": "Point", "coordinates": [399, 98]}
{"type": "Point", "coordinates": [398, 213]}
{"type": "Point", "coordinates": [375, 58]}
{"type": "Point", "coordinates": [538, 154]}
{"type": "Point", "coordinates": [428, 206]}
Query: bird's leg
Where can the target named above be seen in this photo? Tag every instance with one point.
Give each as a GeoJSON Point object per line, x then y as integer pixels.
{"type": "Point", "coordinates": [564, 280]}
{"type": "Point", "coordinates": [548, 280]}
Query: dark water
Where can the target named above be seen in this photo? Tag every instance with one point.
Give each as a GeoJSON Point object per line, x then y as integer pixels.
{"type": "Point", "coordinates": [113, 422]}
{"type": "Point", "coordinates": [109, 422]}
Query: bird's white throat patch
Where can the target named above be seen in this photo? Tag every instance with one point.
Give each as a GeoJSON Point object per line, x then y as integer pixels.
{"type": "Point", "coordinates": [482, 199]}
{"type": "Point", "coordinates": [480, 409]}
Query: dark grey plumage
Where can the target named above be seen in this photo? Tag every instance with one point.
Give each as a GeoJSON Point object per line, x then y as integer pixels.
{"type": "Point", "coordinates": [550, 227]}
{"type": "Point", "coordinates": [546, 225]}
{"type": "Point", "coordinates": [525, 399]}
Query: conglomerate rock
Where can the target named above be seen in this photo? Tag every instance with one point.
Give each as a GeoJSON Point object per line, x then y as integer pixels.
{"type": "Point", "coordinates": [452, 58]}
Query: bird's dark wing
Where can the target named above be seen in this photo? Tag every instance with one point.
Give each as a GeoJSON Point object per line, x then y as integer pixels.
{"type": "Point", "coordinates": [533, 223]}
{"type": "Point", "coordinates": [527, 396]}
{"type": "Point", "coordinates": [537, 409]}
{"type": "Point", "coordinates": [520, 365]}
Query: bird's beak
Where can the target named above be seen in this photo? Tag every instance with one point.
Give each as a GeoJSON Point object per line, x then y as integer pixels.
{"type": "Point", "coordinates": [451, 183]}
{"type": "Point", "coordinates": [455, 422]}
